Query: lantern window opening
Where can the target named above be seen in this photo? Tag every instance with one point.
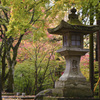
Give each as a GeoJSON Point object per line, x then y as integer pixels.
{"type": "Point", "coordinates": [76, 40]}
{"type": "Point", "coordinates": [65, 40]}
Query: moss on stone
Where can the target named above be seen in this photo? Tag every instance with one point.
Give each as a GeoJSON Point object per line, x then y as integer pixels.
{"type": "Point", "coordinates": [74, 22]}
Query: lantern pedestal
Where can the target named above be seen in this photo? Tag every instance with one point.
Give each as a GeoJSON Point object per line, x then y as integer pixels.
{"type": "Point", "coordinates": [72, 83]}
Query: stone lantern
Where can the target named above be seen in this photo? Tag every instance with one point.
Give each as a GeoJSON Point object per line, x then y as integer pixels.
{"type": "Point", "coordinates": [72, 83]}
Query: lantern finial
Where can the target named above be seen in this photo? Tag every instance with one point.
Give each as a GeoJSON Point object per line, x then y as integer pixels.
{"type": "Point", "coordinates": [73, 10]}
{"type": "Point", "coordinates": [73, 18]}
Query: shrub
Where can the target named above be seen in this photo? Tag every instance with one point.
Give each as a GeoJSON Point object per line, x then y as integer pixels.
{"type": "Point", "coordinates": [84, 66]}
{"type": "Point", "coordinates": [23, 77]}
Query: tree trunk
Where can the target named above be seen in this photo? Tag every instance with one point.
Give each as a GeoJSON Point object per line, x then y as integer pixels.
{"type": "Point", "coordinates": [91, 62]}
{"type": "Point", "coordinates": [3, 68]}
{"type": "Point", "coordinates": [96, 51]}
{"type": "Point", "coordinates": [0, 87]}
{"type": "Point", "coordinates": [10, 85]}
{"type": "Point", "coordinates": [91, 54]}
{"type": "Point", "coordinates": [0, 82]}
{"type": "Point", "coordinates": [12, 63]}
{"type": "Point", "coordinates": [98, 40]}
{"type": "Point", "coordinates": [36, 76]}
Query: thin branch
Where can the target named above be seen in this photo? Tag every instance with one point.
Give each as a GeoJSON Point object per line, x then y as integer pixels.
{"type": "Point", "coordinates": [47, 65]}
{"type": "Point", "coordinates": [5, 27]}
{"type": "Point", "coordinates": [1, 32]}
{"type": "Point", "coordinates": [36, 20]}
{"type": "Point", "coordinates": [49, 73]}
{"type": "Point", "coordinates": [6, 16]}
{"type": "Point", "coordinates": [51, 76]}
{"type": "Point", "coordinates": [48, 9]}
{"type": "Point", "coordinates": [43, 58]}
{"type": "Point", "coordinates": [19, 41]}
{"type": "Point", "coordinates": [42, 61]}
{"type": "Point", "coordinates": [1, 47]}
{"type": "Point", "coordinates": [32, 16]}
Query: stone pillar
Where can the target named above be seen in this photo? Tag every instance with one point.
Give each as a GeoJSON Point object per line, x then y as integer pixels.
{"type": "Point", "coordinates": [72, 83]}
{"type": "Point", "coordinates": [72, 68]}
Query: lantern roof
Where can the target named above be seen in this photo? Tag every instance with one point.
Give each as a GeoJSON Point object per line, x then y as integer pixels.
{"type": "Point", "coordinates": [73, 25]}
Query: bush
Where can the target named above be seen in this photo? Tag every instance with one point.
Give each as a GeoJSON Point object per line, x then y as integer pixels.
{"type": "Point", "coordinates": [23, 78]}
{"type": "Point", "coordinates": [38, 71]}
{"type": "Point", "coordinates": [84, 64]}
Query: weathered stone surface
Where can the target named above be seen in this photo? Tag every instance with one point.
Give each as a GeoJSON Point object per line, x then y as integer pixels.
{"type": "Point", "coordinates": [72, 83]}
{"type": "Point", "coordinates": [40, 95]}
{"type": "Point", "coordinates": [68, 51]}
{"type": "Point", "coordinates": [72, 91]}
{"type": "Point", "coordinates": [72, 70]}
{"type": "Point", "coordinates": [65, 27]}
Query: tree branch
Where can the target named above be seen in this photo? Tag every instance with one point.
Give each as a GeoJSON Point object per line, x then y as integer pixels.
{"type": "Point", "coordinates": [32, 16]}
{"type": "Point", "coordinates": [19, 41]}
{"type": "Point", "coordinates": [6, 16]}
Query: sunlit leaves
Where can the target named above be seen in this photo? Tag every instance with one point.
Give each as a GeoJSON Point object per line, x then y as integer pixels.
{"type": "Point", "coordinates": [84, 64]}
{"type": "Point", "coordinates": [19, 20]}
{"type": "Point", "coordinates": [38, 34]}
{"type": "Point", "coordinates": [90, 7]}
{"type": "Point", "coordinates": [22, 12]}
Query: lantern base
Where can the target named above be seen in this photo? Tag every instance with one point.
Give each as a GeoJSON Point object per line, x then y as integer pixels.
{"type": "Point", "coordinates": [68, 93]}
{"type": "Point", "coordinates": [73, 87]}
{"type": "Point", "coordinates": [72, 91]}
{"type": "Point", "coordinates": [66, 90]}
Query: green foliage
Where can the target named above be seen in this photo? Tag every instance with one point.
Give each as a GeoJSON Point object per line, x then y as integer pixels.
{"type": "Point", "coordinates": [85, 70]}
{"type": "Point", "coordinates": [23, 78]}
{"type": "Point", "coordinates": [38, 34]}
{"type": "Point", "coordinates": [38, 71]}
{"type": "Point", "coordinates": [90, 8]}
{"type": "Point", "coordinates": [24, 13]}
{"type": "Point", "coordinates": [84, 65]}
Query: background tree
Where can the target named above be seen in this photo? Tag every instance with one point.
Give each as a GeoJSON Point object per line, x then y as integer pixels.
{"type": "Point", "coordinates": [0, 74]}
{"type": "Point", "coordinates": [37, 72]}
{"type": "Point", "coordinates": [98, 40]}
{"type": "Point", "coordinates": [12, 28]}
{"type": "Point", "coordinates": [90, 10]}
{"type": "Point", "coordinates": [91, 47]}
